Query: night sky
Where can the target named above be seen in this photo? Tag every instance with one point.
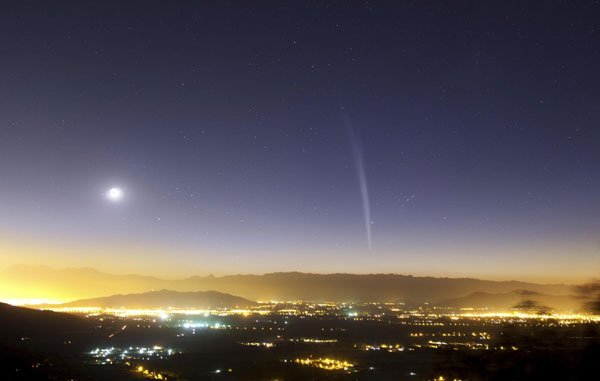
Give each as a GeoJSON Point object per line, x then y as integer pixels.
{"type": "Point", "coordinates": [426, 138]}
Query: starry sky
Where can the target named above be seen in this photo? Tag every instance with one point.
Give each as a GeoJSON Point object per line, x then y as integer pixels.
{"type": "Point", "coordinates": [444, 138]}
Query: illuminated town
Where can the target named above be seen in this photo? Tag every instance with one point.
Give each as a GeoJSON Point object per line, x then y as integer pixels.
{"type": "Point", "coordinates": [361, 339]}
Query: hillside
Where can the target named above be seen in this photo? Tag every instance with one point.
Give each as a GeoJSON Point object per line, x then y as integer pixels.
{"type": "Point", "coordinates": [165, 299]}
{"type": "Point", "coordinates": [25, 322]}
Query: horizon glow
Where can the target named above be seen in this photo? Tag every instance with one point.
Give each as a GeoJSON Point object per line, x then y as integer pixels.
{"type": "Point", "coordinates": [473, 149]}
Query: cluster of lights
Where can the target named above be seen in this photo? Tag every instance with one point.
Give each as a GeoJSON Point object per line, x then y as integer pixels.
{"type": "Point", "coordinates": [201, 325]}
{"type": "Point", "coordinates": [163, 314]}
{"type": "Point", "coordinates": [258, 344]}
{"type": "Point", "coordinates": [431, 344]}
{"type": "Point", "coordinates": [195, 325]}
{"type": "Point", "coordinates": [385, 347]}
{"type": "Point", "coordinates": [304, 309]}
{"type": "Point", "coordinates": [325, 363]}
{"type": "Point", "coordinates": [150, 373]}
{"type": "Point", "coordinates": [113, 355]}
{"type": "Point", "coordinates": [522, 315]}
{"type": "Point", "coordinates": [315, 341]}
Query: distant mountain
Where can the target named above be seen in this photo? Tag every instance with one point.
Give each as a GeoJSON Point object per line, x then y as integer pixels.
{"type": "Point", "coordinates": [44, 282]}
{"type": "Point", "coordinates": [509, 300]}
{"type": "Point", "coordinates": [361, 288]}
{"type": "Point", "coordinates": [165, 299]}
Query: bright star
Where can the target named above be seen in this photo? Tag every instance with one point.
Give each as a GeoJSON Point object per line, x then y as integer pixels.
{"type": "Point", "coordinates": [114, 194]}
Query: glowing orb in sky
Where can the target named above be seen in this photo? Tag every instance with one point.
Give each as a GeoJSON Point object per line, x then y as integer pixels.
{"type": "Point", "coordinates": [114, 194]}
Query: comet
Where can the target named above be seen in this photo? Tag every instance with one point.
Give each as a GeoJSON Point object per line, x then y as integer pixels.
{"type": "Point", "coordinates": [362, 179]}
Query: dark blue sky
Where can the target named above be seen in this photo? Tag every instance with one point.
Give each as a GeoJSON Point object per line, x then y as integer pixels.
{"type": "Point", "coordinates": [228, 127]}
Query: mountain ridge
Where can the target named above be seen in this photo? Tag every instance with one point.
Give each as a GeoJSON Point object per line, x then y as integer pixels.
{"type": "Point", "coordinates": [161, 299]}
{"type": "Point", "coordinates": [511, 300]}
{"type": "Point", "coordinates": [30, 282]}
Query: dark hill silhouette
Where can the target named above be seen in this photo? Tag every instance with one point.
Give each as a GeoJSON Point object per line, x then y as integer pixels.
{"type": "Point", "coordinates": [25, 322]}
{"type": "Point", "coordinates": [44, 345]}
{"type": "Point", "coordinates": [44, 282]}
{"type": "Point", "coordinates": [165, 299]}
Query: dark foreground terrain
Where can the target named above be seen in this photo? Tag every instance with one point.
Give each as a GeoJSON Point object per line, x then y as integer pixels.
{"type": "Point", "coordinates": [330, 345]}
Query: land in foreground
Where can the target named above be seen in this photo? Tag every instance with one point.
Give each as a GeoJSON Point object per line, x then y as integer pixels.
{"type": "Point", "coordinates": [298, 341]}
